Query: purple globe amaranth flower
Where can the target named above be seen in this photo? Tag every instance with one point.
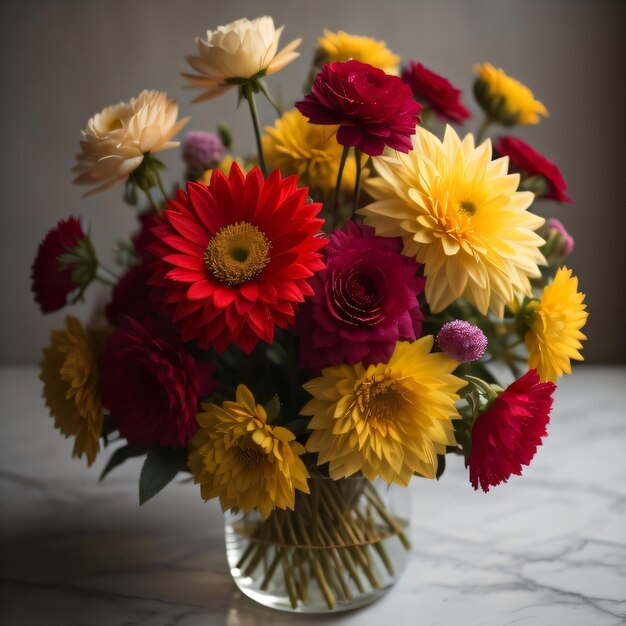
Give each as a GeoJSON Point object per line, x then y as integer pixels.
{"type": "Point", "coordinates": [462, 341]}
{"type": "Point", "coordinates": [364, 301]}
{"type": "Point", "coordinates": [201, 151]}
{"type": "Point", "coordinates": [564, 242]}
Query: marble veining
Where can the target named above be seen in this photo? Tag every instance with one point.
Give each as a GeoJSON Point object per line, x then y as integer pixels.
{"type": "Point", "coordinates": [546, 549]}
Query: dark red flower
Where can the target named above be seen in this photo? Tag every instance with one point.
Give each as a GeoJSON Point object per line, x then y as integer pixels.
{"type": "Point", "coordinates": [150, 384]}
{"type": "Point", "coordinates": [364, 302]}
{"type": "Point", "coordinates": [507, 434]}
{"type": "Point", "coordinates": [51, 279]}
{"type": "Point", "coordinates": [373, 109]}
{"type": "Point", "coordinates": [531, 163]}
{"type": "Point", "coordinates": [233, 258]}
{"type": "Point", "coordinates": [436, 92]}
{"type": "Point", "coordinates": [132, 296]}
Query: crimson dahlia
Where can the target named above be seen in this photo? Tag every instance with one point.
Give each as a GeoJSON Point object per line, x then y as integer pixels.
{"type": "Point", "coordinates": [52, 281]}
{"type": "Point", "coordinates": [532, 163]}
{"type": "Point", "coordinates": [233, 258]}
{"type": "Point", "coordinates": [436, 92]}
{"type": "Point", "coordinates": [150, 384]}
{"type": "Point", "coordinates": [364, 302]}
{"type": "Point", "coordinates": [373, 109]}
{"type": "Point", "coordinates": [507, 434]}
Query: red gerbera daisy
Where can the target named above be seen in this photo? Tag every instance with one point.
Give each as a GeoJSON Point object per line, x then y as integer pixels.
{"type": "Point", "coordinates": [373, 109]}
{"type": "Point", "coordinates": [233, 258]}
{"type": "Point", "coordinates": [507, 434]}
{"type": "Point", "coordinates": [526, 159]}
{"type": "Point", "coordinates": [65, 263]}
{"type": "Point", "coordinates": [436, 92]}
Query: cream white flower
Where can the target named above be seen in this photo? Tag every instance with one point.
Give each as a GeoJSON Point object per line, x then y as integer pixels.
{"type": "Point", "coordinates": [236, 53]}
{"type": "Point", "coordinates": [117, 139]}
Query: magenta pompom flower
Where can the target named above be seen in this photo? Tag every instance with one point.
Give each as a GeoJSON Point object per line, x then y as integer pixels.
{"type": "Point", "coordinates": [202, 151]}
{"type": "Point", "coordinates": [564, 242]}
{"type": "Point", "coordinates": [462, 341]}
{"type": "Point", "coordinates": [372, 109]}
{"type": "Point", "coordinates": [364, 302]}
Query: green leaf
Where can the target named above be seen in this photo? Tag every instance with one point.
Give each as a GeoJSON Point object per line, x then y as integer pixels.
{"type": "Point", "coordinates": [120, 455]}
{"type": "Point", "coordinates": [223, 132]}
{"type": "Point", "coordinates": [159, 469]}
{"type": "Point", "coordinates": [272, 408]}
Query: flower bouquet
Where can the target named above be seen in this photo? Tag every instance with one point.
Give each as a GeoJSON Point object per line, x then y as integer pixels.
{"type": "Point", "coordinates": [303, 328]}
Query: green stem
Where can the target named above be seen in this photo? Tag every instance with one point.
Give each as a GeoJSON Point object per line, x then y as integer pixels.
{"type": "Point", "coordinates": [249, 94]}
{"type": "Point", "coordinates": [335, 197]}
{"type": "Point", "coordinates": [357, 181]}
{"type": "Point", "coordinates": [106, 276]}
{"type": "Point", "coordinates": [480, 135]}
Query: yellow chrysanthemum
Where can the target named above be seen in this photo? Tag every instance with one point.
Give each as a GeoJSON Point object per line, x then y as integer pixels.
{"type": "Point", "coordinates": [71, 389]}
{"type": "Point", "coordinates": [237, 456]}
{"type": "Point", "coordinates": [554, 336]}
{"type": "Point", "coordinates": [505, 99]}
{"type": "Point", "coordinates": [309, 150]}
{"type": "Point", "coordinates": [458, 213]}
{"type": "Point", "coordinates": [341, 46]}
{"type": "Point", "coordinates": [389, 420]}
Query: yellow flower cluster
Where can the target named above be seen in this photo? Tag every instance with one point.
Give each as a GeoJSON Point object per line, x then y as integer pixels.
{"type": "Point", "coordinates": [71, 379]}
{"type": "Point", "coordinates": [237, 456]}
{"type": "Point", "coordinates": [389, 420]}
{"type": "Point", "coordinates": [309, 150]}
{"type": "Point", "coordinates": [460, 214]}
{"type": "Point", "coordinates": [504, 98]}
{"type": "Point", "coordinates": [554, 336]}
{"type": "Point", "coordinates": [341, 46]}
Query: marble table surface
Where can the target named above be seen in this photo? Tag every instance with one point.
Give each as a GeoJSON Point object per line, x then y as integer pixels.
{"type": "Point", "coordinates": [548, 548]}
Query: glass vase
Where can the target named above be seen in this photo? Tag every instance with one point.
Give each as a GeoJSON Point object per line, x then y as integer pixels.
{"type": "Point", "coordinates": [342, 546]}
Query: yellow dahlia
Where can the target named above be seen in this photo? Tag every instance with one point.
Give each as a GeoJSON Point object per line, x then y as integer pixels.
{"type": "Point", "coordinates": [309, 150]}
{"type": "Point", "coordinates": [71, 379]}
{"type": "Point", "coordinates": [505, 99]}
{"type": "Point", "coordinates": [458, 213]}
{"type": "Point", "coordinates": [238, 52]}
{"type": "Point", "coordinates": [389, 420]}
{"type": "Point", "coordinates": [554, 336]}
{"type": "Point", "coordinates": [237, 456]}
{"type": "Point", "coordinates": [341, 46]}
{"type": "Point", "coordinates": [117, 139]}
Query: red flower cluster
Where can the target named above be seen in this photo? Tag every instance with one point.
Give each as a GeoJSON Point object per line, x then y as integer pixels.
{"type": "Point", "coordinates": [364, 302]}
{"type": "Point", "coordinates": [233, 258]}
{"type": "Point", "coordinates": [150, 384]}
{"type": "Point", "coordinates": [506, 436]}
{"type": "Point", "coordinates": [529, 161]}
{"type": "Point", "coordinates": [373, 109]}
{"type": "Point", "coordinates": [51, 282]}
{"type": "Point", "coordinates": [436, 92]}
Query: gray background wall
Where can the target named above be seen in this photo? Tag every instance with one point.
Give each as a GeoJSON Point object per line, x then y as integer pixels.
{"type": "Point", "coordinates": [63, 60]}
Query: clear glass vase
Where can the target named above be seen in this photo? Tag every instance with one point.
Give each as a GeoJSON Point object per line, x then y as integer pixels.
{"type": "Point", "coordinates": [343, 546]}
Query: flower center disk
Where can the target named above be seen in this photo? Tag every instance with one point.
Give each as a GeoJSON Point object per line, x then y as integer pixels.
{"type": "Point", "coordinates": [378, 401]}
{"type": "Point", "coordinates": [237, 253]}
